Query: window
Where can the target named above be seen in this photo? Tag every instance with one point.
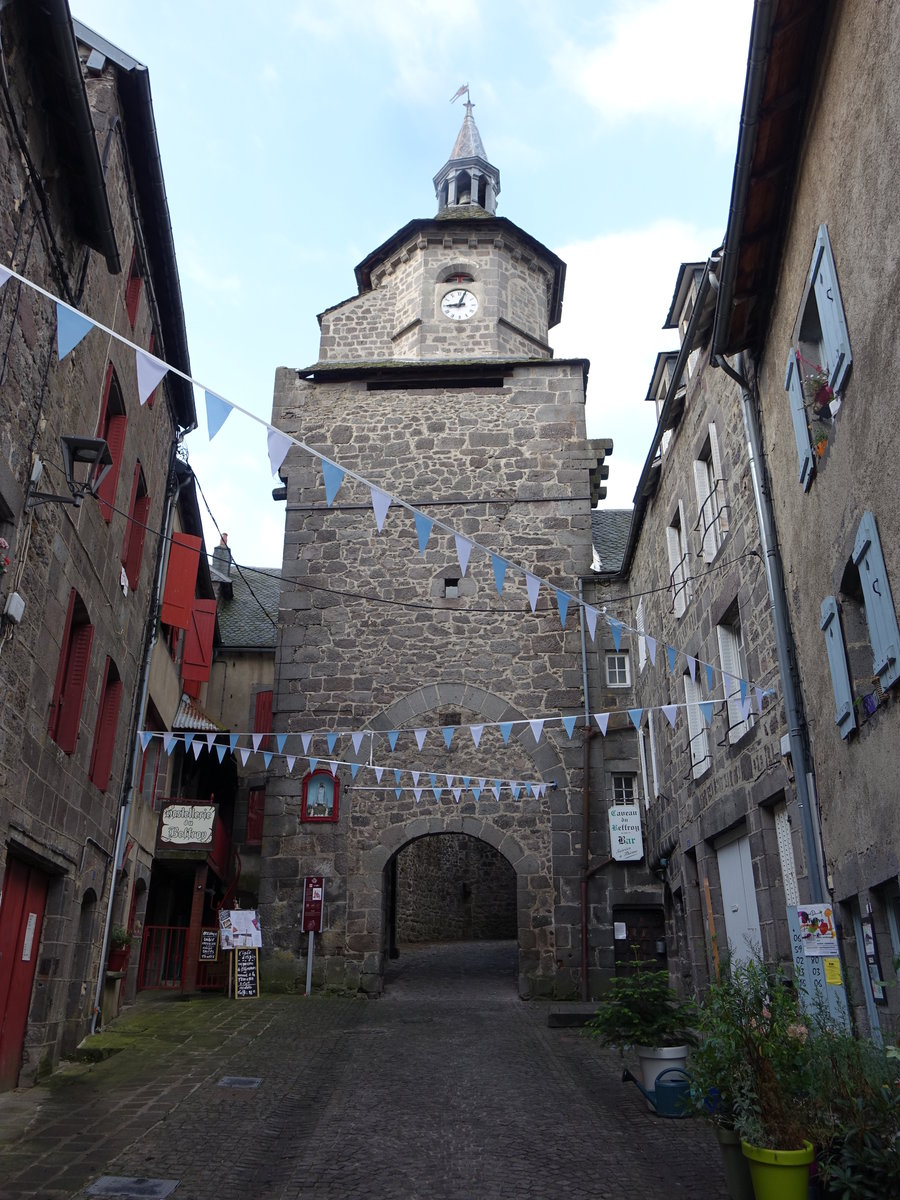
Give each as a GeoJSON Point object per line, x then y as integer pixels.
{"type": "Point", "coordinates": [111, 427]}
{"type": "Point", "coordinates": [71, 675]}
{"type": "Point", "coordinates": [133, 288]}
{"type": "Point", "coordinates": [698, 737]}
{"type": "Point", "coordinates": [451, 589]}
{"type": "Point", "coordinates": [712, 516]}
{"type": "Point", "coordinates": [618, 671]}
{"type": "Point", "coordinates": [676, 543]}
{"type": "Point", "coordinates": [105, 731]}
{"type": "Point", "coordinates": [819, 360]}
{"type": "Point", "coordinates": [135, 530]}
{"type": "Point", "coordinates": [624, 788]}
{"type": "Point", "coordinates": [734, 669]}
{"type": "Point", "coordinates": [256, 807]}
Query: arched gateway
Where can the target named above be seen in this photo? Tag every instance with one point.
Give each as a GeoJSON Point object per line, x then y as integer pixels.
{"type": "Point", "coordinates": [421, 653]}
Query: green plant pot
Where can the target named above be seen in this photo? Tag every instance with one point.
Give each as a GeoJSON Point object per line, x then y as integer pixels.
{"type": "Point", "coordinates": [779, 1174]}
{"type": "Point", "coordinates": [735, 1165]}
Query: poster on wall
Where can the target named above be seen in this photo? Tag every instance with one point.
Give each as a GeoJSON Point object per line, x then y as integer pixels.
{"type": "Point", "coordinates": [626, 843]}
{"type": "Point", "coordinates": [239, 927]}
{"type": "Point", "coordinates": [817, 931]}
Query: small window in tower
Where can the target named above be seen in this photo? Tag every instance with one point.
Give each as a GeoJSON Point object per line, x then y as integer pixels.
{"type": "Point", "coordinates": [451, 589]}
{"type": "Point", "coordinates": [459, 277]}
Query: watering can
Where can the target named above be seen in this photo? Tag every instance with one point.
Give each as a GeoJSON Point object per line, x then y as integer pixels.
{"type": "Point", "coordinates": [670, 1097]}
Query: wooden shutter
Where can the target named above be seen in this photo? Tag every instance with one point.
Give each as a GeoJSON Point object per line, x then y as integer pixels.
{"type": "Point", "coordinates": [697, 735]}
{"type": "Point", "coordinates": [706, 510]}
{"type": "Point", "coordinates": [730, 659]}
{"type": "Point", "coordinates": [115, 439]}
{"type": "Point", "coordinates": [135, 531]}
{"type": "Point", "coordinates": [73, 685]}
{"type": "Point", "coordinates": [198, 642]}
{"type": "Point", "coordinates": [133, 288]}
{"type": "Point", "coordinates": [256, 807]}
{"type": "Point", "coordinates": [715, 459]}
{"type": "Point", "coordinates": [881, 616]}
{"type": "Point", "coordinates": [793, 385]}
{"type": "Point", "coordinates": [845, 717]}
{"type": "Point", "coordinates": [181, 580]}
{"type": "Point", "coordinates": [823, 277]}
{"type": "Point", "coordinates": [105, 732]}
{"type": "Point", "coordinates": [262, 717]}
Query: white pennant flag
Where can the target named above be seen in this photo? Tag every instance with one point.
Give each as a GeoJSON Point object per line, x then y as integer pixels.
{"type": "Point", "coordinates": [457, 792]}
{"type": "Point", "coordinates": [379, 771]}
{"type": "Point", "coordinates": [417, 792]}
{"type": "Point", "coordinates": [290, 760]}
{"type": "Point", "coordinates": [210, 738]}
{"type": "Point", "coordinates": [278, 444]}
{"type": "Point", "coordinates": [149, 373]}
{"type": "Point", "coordinates": [197, 746]}
{"type": "Point", "coordinates": [356, 739]}
{"type": "Point", "coordinates": [305, 738]}
{"type": "Point", "coordinates": [537, 728]}
{"type": "Point", "coordinates": [463, 550]}
{"type": "Point", "coordinates": [651, 648]}
{"type": "Point", "coordinates": [591, 615]}
{"type": "Point", "coordinates": [420, 737]}
{"type": "Point", "coordinates": [476, 732]}
{"type": "Point", "coordinates": [495, 788]}
{"type": "Point", "coordinates": [450, 779]}
{"type": "Point", "coordinates": [257, 738]}
{"type": "Point", "coordinates": [244, 752]}
{"type": "Point", "coordinates": [481, 783]}
{"type": "Point", "coordinates": [381, 502]}
{"type": "Point", "coordinates": [534, 586]}
{"type": "Point", "coordinates": [602, 720]}
{"type": "Point", "coordinates": [670, 711]}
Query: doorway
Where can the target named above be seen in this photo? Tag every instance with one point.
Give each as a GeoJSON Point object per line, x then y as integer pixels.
{"type": "Point", "coordinates": [24, 898]}
{"type": "Point", "coordinates": [739, 899]}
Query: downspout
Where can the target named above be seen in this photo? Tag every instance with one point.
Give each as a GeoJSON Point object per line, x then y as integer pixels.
{"type": "Point", "coordinates": [138, 710]}
{"type": "Point", "coordinates": [585, 803]}
{"type": "Point", "coordinates": [784, 644]}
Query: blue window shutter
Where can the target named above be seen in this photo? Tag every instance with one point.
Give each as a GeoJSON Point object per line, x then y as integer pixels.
{"type": "Point", "coordinates": [881, 616]}
{"type": "Point", "coordinates": [845, 717]}
{"type": "Point", "coordinates": [793, 385]}
{"type": "Point", "coordinates": [831, 311]}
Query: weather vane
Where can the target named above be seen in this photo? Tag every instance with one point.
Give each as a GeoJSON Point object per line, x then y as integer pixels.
{"type": "Point", "coordinates": [464, 90]}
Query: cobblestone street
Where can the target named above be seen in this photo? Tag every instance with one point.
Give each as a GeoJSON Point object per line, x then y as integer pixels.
{"type": "Point", "coordinates": [447, 1088]}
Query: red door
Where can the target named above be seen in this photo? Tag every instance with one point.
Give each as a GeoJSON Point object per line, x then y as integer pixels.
{"type": "Point", "coordinates": [21, 916]}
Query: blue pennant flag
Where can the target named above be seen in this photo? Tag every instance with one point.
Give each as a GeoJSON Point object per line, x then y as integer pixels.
{"type": "Point", "coordinates": [188, 738]}
{"type": "Point", "coordinates": [397, 774]}
{"type": "Point", "coordinates": [398, 792]}
{"type": "Point", "coordinates": [636, 714]}
{"type": "Point", "coordinates": [221, 751]}
{"type": "Point", "coordinates": [506, 730]}
{"type": "Point", "coordinates": [313, 763]}
{"type": "Point", "coordinates": [743, 683]}
{"type": "Point", "coordinates": [466, 781]}
{"type": "Point", "coordinates": [354, 768]}
{"type": "Point", "coordinates": [333, 476]}
{"type": "Point", "coordinates": [424, 525]}
{"type": "Point", "coordinates": [233, 740]}
{"type": "Point", "coordinates": [280, 739]}
{"type": "Point", "coordinates": [569, 724]}
{"type": "Point", "coordinates": [433, 777]}
{"type": "Point", "coordinates": [331, 739]}
{"type": "Point", "coordinates": [217, 413]}
{"type": "Point", "coordinates": [706, 707]}
{"type": "Point", "coordinates": [145, 739]}
{"type": "Point", "coordinates": [615, 628]}
{"type": "Point", "coordinates": [710, 677]}
{"type": "Point", "coordinates": [671, 654]}
{"type": "Point", "coordinates": [448, 732]}
{"type": "Point", "coordinates": [267, 757]}
{"type": "Point", "coordinates": [71, 327]}
{"type": "Point", "coordinates": [516, 788]}
{"type": "Point", "coordinates": [476, 792]}
{"type": "Point", "coordinates": [499, 565]}
{"type": "Point", "coordinates": [392, 738]}
{"type": "Point", "coordinates": [562, 603]}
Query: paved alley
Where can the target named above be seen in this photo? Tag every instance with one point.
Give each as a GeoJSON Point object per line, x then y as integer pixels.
{"type": "Point", "coordinates": [447, 1088]}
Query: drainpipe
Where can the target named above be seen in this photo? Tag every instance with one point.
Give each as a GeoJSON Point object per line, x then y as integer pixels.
{"type": "Point", "coordinates": [585, 803]}
{"type": "Point", "coordinates": [137, 712]}
{"type": "Point", "coordinates": [784, 642]}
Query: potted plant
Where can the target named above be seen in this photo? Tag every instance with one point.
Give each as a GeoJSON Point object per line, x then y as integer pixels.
{"type": "Point", "coordinates": [119, 948]}
{"type": "Point", "coordinates": [643, 1011]}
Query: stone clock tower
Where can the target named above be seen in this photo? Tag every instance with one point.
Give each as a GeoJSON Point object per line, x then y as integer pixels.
{"type": "Point", "coordinates": [436, 384]}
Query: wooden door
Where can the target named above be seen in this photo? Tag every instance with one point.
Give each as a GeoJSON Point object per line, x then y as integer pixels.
{"type": "Point", "coordinates": [21, 917]}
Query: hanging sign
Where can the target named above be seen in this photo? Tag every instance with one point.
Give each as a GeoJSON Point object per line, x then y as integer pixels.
{"type": "Point", "coordinates": [186, 826]}
{"type": "Point", "coordinates": [313, 903]}
{"type": "Point", "coordinates": [626, 843]}
{"type": "Point", "coordinates": [246, 974]}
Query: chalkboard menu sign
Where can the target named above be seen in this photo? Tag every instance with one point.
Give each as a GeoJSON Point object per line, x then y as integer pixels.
{"type": "Point", "coordinates": [209, 945]}
{"type": "Point", "coordinates": [246, 973]}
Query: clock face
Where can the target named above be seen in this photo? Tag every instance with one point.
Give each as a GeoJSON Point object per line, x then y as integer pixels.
{"type": "Point", "coordinates": [459, 304]}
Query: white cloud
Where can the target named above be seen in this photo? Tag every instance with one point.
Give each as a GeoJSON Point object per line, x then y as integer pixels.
{"type": "Point", "coordinates": [197, 269]}
{"type": "Point", "coordinates": [680, 61]}
{"type": "Point", "coordinates": [269, 75]}
{"type": "Point", "coordinates": [618, 290]}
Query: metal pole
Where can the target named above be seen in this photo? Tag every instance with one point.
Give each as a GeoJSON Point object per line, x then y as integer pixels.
{"type": "Point", "coordinates": [309, 958]}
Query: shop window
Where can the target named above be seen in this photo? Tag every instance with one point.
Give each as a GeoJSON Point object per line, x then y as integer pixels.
{"type": "Point", "coordinates": [105, 732]}
{"type": "Point", "coordinates": [71, 675]}
{"type": "Point", "coordinates": [111, 427]}
{"type": "Point", "coordinates": [136, 529]}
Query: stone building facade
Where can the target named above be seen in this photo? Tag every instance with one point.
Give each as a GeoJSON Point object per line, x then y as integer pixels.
{"type": "Point", "coordinates": [436, 384]}
{"type": "Point", "coordinates": [95, 232]}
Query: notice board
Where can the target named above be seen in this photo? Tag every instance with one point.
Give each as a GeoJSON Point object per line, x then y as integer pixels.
{"type": "Point", "coordinates": [209, 945]}
{"type": "Point", "coordinates": [246, 973]}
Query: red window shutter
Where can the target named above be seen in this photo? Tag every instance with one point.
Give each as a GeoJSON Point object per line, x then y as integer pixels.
{"type": "Point", "coordinates": [191, 687]}
{"type": "Point", "coordinates": [105, 732]}
{"type": "Point", "coordinates": [133, 288]}
{"type": "Point", "coordinates": [135, 531]}
{"type": "Point", "coordinates": [198, 642]}
{"type": "Point", "coordinates": [181, 580]}
{"type": "Point", "coordinates": [256, 807]}
{"type": "Point", "coordinates": [74, 683]}
{"type": "Point", "coordinates": [101, 424]}
{"type": "Point", "coordinates": [262, 718]}
{"type": "Point", "coordinates": [61, 667]}
{"type": "Point", "coordinates": [115, 439]}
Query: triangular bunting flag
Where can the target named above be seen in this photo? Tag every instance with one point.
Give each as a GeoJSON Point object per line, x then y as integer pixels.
{"type": "Point", "coordinates": [267, 758]}
{"type": "Point", "coordinates": [710, 677]}
{"type": "Point", "coordinates": [397, 774]}
{"type": "Point", "coordinates": [499, 565]}
{"type": "Point", "coordinates": [437, 789]}
{"type": "Point", "coordinates": [533, 584]}
{"type": "Point", "coordinates": [188, 738]}
{"type": "Point", "coordinates": [706, 707]}
{"type": "Point", "coordinates": [506, 730]}
{"type": "Point", "coordinates": [537, 728]}
{"type": "Point", "coordinates": [392, 738]}
{"type": "Point", "coordinates": [417, 792]}
{"type": "Point", "coordinates": [466, 782]}
{"type": "Point", "coordinates": [415, 776]}
{"type": "Point", "coordinates": [280, 739]}
{"type": "Point", "coordinates": [672, 655]}
{"type": "Point", "coordinates": [745, 708]}
{"type": "Point", "coordinates": [457, 792]}
{"type": "Point", "coordinates": [331, 742]}
{"type": "Point", "coordinates": [217, 413]}
{"type": "Point", "coordinates": [146, 738]}
{"type": "Point", "coordinates": [615, 628]}
{"type": "Point", "coordinates": [562, 603]}
{"type": "Point", "coordinates": [168, 742]}
{"type": "Point", "coordinates": [198, 748]}
{"type": "Point", "coordinates": [354, 770]}
{"type": "Point", "coordinates": [516, 788]}
{"type": "Point", "coordinates": [432, 776]}
{"type": "Point", "coordinates": [290, 760]}
{"type": "Point", "coordinates": [591, 615]}
{"type": "Point", "coordinates": [670, 711]}
{"type": "Point", "coordinates": [5, 274]}
{"type": "Point", "coordinates": [482, 783]}
{"type": "Point", "coordinates": [496, 789]}
{"type": "Point", "coordinates": [728, 682]}
{"type": "Point", "coordinates": [420, 737]}
{"type": "Point", "coordinates": [602, 720]}
{"type": "Point", "coordinates": [743, 684]}
{"type": "Point", "coordinates": [244, 752]}
{"type": "Point", "coordinates": [569, 725]}
{"type": "Point", "coordinates": [71, 327]}
{"type": "Point", "coordinates": [463, 550]}
{"type": "Point", "coordinates": [692, 667]}
{"type": "Point", "coordinates": [476, 792]}
{"type": "Point", "coordinates": [636, 714]}
{"type": "Point", "coordinates": [424, 526]}
{"type": "Point", "coordinates": [381, 502]}
{"type": "Point", "coordinates": [398, 792]}
{"type": "Point", "coordinates": [651, 648]}
{"type": "Point", "coordinates": [221, 751]}
{"type": "Point", "coordinates": [233, 740]}
{"type": "Point", "coordinates": [149, 373]}
{"type": "Point", "coordinates": [476, 732]}
{"type": "Point", "coordinates": [278, 444]}
{"type": "Point", "coordinates": [313, 763]}
{"type": "Point", "coordinates": [257, 738]}
{"type": "Point", "coordinates": [305, 738]}
{"type": "Point", "coordinates": [450, 780]}
{"type": "Point", "coordinates": [356, 739]}
{"type": "Point", "coordinates": [333, 477]}
{"type": "Point", "coordinates": [210, 740]}
{"type": "Point", "coordinates": [448, 732]}
{"type": "Point", "coordinates": [379, 771]}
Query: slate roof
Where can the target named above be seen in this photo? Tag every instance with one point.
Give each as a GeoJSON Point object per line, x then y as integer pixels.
{"type": "Point", "coordinates": [243, 620]}
{"type": "Point", "coordinates": [609, 535]}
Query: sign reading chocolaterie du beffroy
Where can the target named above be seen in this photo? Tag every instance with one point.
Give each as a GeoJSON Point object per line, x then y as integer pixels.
{"type": "Point", "coordinates": [186, 826]}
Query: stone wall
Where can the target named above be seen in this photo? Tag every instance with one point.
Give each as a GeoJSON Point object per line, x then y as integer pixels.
{"type": "Point", "coordinates": [454, 888]}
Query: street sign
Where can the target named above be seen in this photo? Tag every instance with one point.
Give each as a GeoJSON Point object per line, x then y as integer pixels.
{"type": "Point", "coordinates": [313, 903]}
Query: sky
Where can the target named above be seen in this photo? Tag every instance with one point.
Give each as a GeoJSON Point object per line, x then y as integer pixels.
{"type": "Point", "coordinates": [297, 135]}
